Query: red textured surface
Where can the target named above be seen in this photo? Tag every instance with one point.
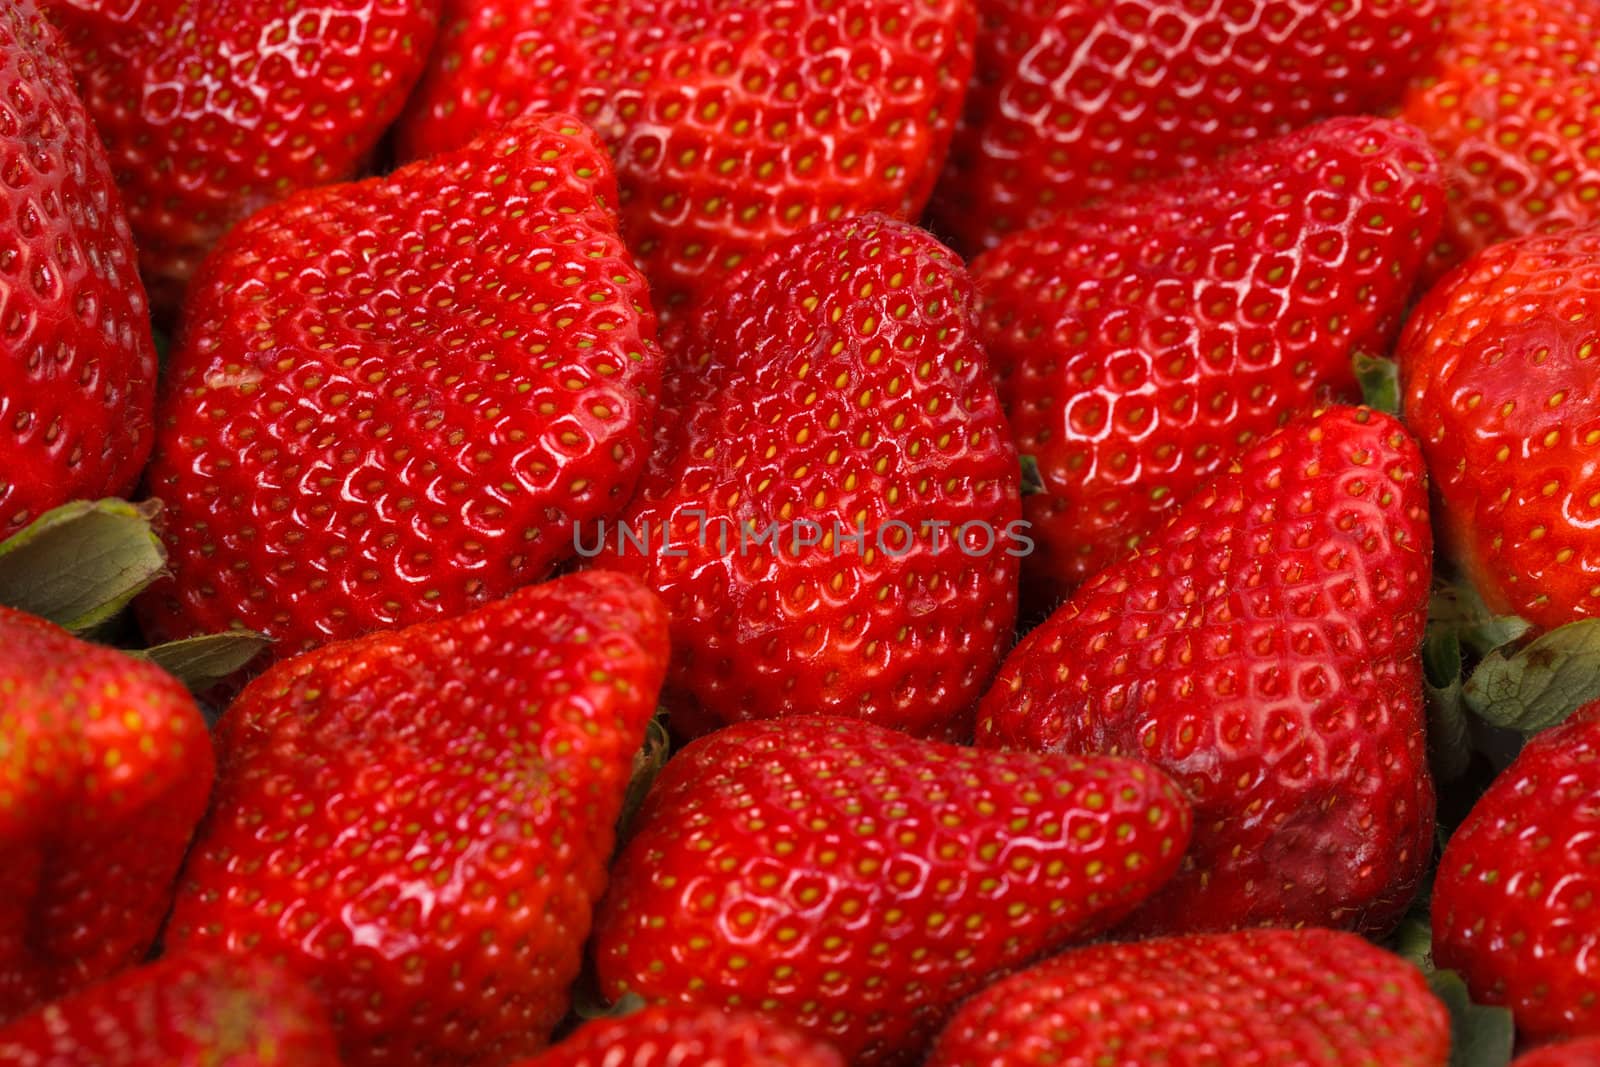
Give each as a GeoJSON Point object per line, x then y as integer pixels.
{"type": "Point", "coordinates": [857, 883]}
{"type": "Point", "coordinates": [674, 1036]}
{"type": "Point", "coordinates": [1262, 649]}
{"type": "Point", "coordinates": [418, 822]}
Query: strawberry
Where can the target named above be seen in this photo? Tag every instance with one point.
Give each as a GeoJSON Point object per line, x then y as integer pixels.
{"type": "Point", "coordinates": [1262, 648]}
{"type": "Point", "coordinates": [418, 822]}
{"type": "Point", "coordinates": [856, 883]}
{"type": "Point", "coordinates": [1516, 896]}
{"type": "Point", "coordinates": [210, 111]}
{"type": "Point", "coordinates": [395, 400]}
{"type": "Point", "coordinates": [104, 772]}
{"type": "Point", "coordinates": [1079, 98]}
{"type": "Point", "coordinates": [1143, 343]}
{"type": "Point", "coordinates": [185, 1011]}
{"type": "Point", "coordinates": [1511, 104]}
{"type": "Point", "coordinates": [1585, 1052]}
{"type": "Point", "coordinates": [831, 512]}
{"type": "Point", "coordinates": [1262, 998]}
{"type": "Point", "coordinates": [733, 123]}
{"type": "Point", "coordinates": [77, 362]}
{"type": "Point", "coordinates": [675, 1036]}
{"type": "Point", "coordinates": [1499, 385]}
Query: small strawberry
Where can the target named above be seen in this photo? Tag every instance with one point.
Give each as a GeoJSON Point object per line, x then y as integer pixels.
{"type": "Point", "coordinates": [675, 1036]}
{"type": "Point", "coordinates": [1512, 104]}
{"type": "Point", "coordinates": [104, 772]}
{"type": "Point", "coordinates": [418, 822]}
{"type": "Point", "coordinates": [1585, 1052]}
{"type": "Point", "coordinates": [1143, 343]}
{"type": "Point", "coordinates": [1262, 648]}
{"type": "Point", "coordinates": [733, 123]}
{"type": "Point", "coordinates": [856, 883]}
{"type": "Point", "coordinates": [1498, 368]}
{"type": "Point", "coordinates": [1263, 998]}
{"type": "Point", "coordinates": [77, 361]}
{"type": "Point", "coordinates": [394, 400]}
{"type": "Point", "coordinates": [1076, 99]}
{"type": "Point", "coordinates": [831, 512]}
{"type": "Point", "coordinates": [184, 1011]}
{"type": "Point", "coordinates": [211, 109]}
{"type": "Point", "coordinates": [1516, 902]}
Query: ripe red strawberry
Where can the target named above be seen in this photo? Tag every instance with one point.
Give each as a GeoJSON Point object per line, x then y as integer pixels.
{"type": "Point", "coordinates": [1498, 366]}
{"type": "Point", "coordinates": [843, 401]}
{"type": "Point", "coordinates": [1517, 896]}
{"type": "Point", "coordinates": [211, 110]}
{"type": "Point", "coordinates": [1584, 1052]}
{"type": "Point", "coordinates": [77, 362]}
{"type": "Point", "coordinates": [1079, 98]}
{"type": "Point", "coordinates": [104, 772]}
{"type": "Point", "coordinates": [674, 1036]}
{"type": "Point", "coordinates": [394, 400]}
{"type": "Point", "coordinates": [1143, 343]}
{"type": "Point", "coordinates": [184, 1011]}
{"type": "Point", "coordinates": [418, 822]}
{"type": "Point", "coordinates": [1263, 998]}
{"type": "Point", "coordinates": [1262, 648]}
{"type": "Point", "coordinates": [856, 883]}
{"type": "Point", "coordinates": [1511, 104]}
{"type": "Point", "coordinates": [734, 123]}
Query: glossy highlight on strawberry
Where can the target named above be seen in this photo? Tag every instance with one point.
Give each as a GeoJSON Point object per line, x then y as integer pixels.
{"type": "Point", "coordinates": [1142, 344]}
{"type": "Point", "coordinates": [418, 822]}
{"type": "Point", "coordinates": [394, 400]}
{"type": "Point", "coordinates": [1262, 648]}
{"type": "Point", "coordinates": [856, 883]}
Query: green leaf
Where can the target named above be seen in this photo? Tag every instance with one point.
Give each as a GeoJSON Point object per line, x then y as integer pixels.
{"type": "Point", "coordinates": [647, 764]}
{"type": "Point", "coordinates": [82, 563]}
{"type": "Point", "coordinates": [1537, 685]}
{"type": "Point", "coordinates": [1379, 379]}
{"type": "Point", "coordinates": [1458, 607]}
{"type": "Point", "coordinates": [1449, 729]}
{"type": "Point", "coordinates": [1032, 479]}
{"type": "Point", "coordinates": [1480, 1036]}
{"type": "Point", "coordinates": [201, 662]}
{"type": "Point", "coordinates": [590, 1008]}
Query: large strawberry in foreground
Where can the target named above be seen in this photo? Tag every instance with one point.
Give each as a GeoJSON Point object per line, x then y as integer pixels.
{"type": "Point", "coordinates": [856, 883]}
{"type": "Point", "coordinates": [1143, 343]}
{"type": "Point", "coordinates": [211, 109]}
{"type": "Point", "coordinates": [104, 771]}
{"type": "Point", "coordinates": [1517, 897]}
{"type": "Point", "coordinates": [1511, 105]}
{"type": "Point", "coordinates": [1498, 366]}
{"type": "Point", "coordinates": [1076, 99]}
{"type": "Point", "coordinates": [1268, 998]}
{"type": "Point", "coordinates": [77, 362]}
{"type": "Point", "coordinates": [831, 509]}
{"type": "Point", "coordinates": [1262, 648]}
{"type": "Point", "coordinates": [419, 822]}
{"type": "Point", "coordinates": [395, 400]}
{"type": "Point", "coordinates": [183, 1011]}
{"type": "Point", "coordinates": [733, 123]}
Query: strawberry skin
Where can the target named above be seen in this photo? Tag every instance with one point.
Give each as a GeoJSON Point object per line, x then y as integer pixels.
{"type": "Point", "coordinates": [840, 384]}
{"type": "Point", "coordinates": [1260, 998]}
{"type": "Point", "coordinates": [1584, 1052]}
{"type": "Point", "coordinates": [394, 400]}
{"type": "Point", "coordinates": [1517, 895]}
{"type": "Point", "coordinates": [856, 883]}
{"type": "Point", "coordinates": [104, 771]}
{"type": "Point", "coordinates": [210, 111]}
{"type": "Point", "coordinates": [184, 1011]}
{"type": "Point", "coordinates": [77, 361]}
{"type": "Point", "coordinates": [1141, 344]}
{"type": "Point", "coordinates": [1510, 103]}
{"type": "Point", "coordinates": [1498, 366]}
{"type": "Point", "coordinates": [1077, 99]}
{"type": "Point", "coordinates": [418, 821]}
{"type": "Point", "coordinates": [678, 1036]}
{"type": "Point", "coordinates": [1262, 648]}
{"type": "Point", "coordinates": [733, 123]}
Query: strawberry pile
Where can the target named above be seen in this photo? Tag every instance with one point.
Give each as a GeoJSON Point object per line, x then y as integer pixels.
{"type": "Point", "coordinates": [799, 533]}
